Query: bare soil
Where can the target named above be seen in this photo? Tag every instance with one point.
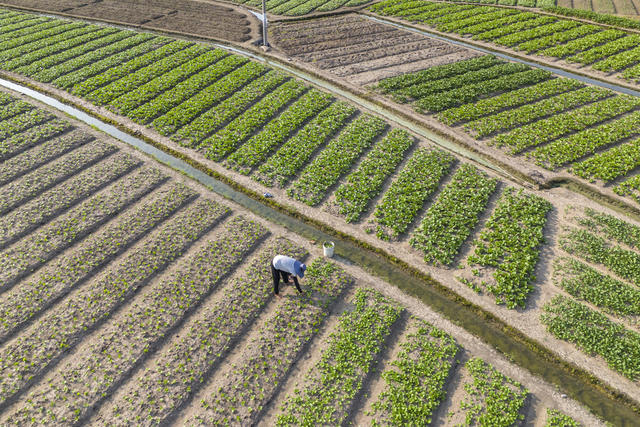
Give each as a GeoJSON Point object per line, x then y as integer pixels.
{"type": "Point", "coordinates": [194, 17]}
{"type": "Point", "coordinates": [363, 51]}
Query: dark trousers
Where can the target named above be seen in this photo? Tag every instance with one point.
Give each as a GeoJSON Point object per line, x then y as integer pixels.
{"type": "Point", "coordinates": [276, 274]}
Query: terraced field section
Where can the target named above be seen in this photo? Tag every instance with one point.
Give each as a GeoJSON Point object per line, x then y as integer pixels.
{"type": "Point", "coordinates": [558, 124]}
{"type": "Point", "coordinates": [289, 138]}
{"type": "Point", "coordinates": [597, 270]}
{"type": "Point", "coordinates": [186, 16]}
{"type": "Point", "coordinates": [259, 126]}
{"type": "Point", "coordinates": [131, 296]}
{"type": "Point", "coordinates": [602, 50]}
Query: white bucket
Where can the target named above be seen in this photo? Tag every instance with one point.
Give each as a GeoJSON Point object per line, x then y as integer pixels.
{"type": "Point", "coordinates": [327, 248]}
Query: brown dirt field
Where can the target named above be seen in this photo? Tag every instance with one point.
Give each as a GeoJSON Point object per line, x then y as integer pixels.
{"type": "Point", "coordinates": [110, 9]}
{"type": "Point", "coordinates": [52, 5]}
{"type": "Point", "coordinates": [605, 6]}
{"type": "Point", "coordinates": [220, 22]}
{"type": "Point", "coordinates": [363, 51]}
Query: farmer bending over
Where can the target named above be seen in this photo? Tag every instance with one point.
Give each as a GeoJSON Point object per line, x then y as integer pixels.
{"type": "Point", "coordinates": [285, 266]}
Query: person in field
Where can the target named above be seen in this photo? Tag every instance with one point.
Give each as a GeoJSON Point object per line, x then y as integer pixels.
{"type": "Point", "coordinates": [284, 266]}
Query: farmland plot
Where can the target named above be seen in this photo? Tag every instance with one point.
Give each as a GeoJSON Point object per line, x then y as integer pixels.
{"type": "Point", "coordinates": [600, 48]}
{"type": "Point", "coordinates": [319, 150]}
{"type": "Point", "coordinates": [242, 118]}
{"type": "Point", "coordinates": [556, 123]}
{"type": "Point", "coordinates": [200, 18]}
{"type": "Point", "coordinates": [360, 50]}
{"type": "Point", "coordinates": [120, 266]}
{"type": "Point", "coordinates": [599, 272]}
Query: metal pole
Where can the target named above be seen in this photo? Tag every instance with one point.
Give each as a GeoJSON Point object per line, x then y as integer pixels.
{"type": "Point", "coordinates": [264, 24]}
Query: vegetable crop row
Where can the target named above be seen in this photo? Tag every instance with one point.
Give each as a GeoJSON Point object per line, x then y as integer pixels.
{"type": "Point", "coordinates": [606, 50]}
{"type": "Point", "coordinates": [595, 249]}
{"type": "Point", "coordinates": [610, 227]}
{"type": "Point", "coordinates": [180, 115]}
{"type": "Point", "coordinates": [571, 148]}
{"type": "Point", "coordinates": [594, 333]}
{"type": "Point", "coordinates": [472, 77]}
{"type": "Point", "coordinates": [619, 61]}
{"type": "Point", "coordinates": [366, 181]}
{"type": "Point", "coordinates": [414, 385]}
{"type": "Point", "coordinates": [522, 37]}
{"type": "Point", "coordinates": [444, 100]}
{"type": "Point", "coordinates": [185, 90]}
{"type": "Point", "coordinates": [37, 35]}
{"type": "Point", "coordinates": [99, 39]}
{"type": "Point", "coordinates": [338, 156]}
{"type": "Point", "coordinates": [583, 44]}
{"type": "Point", "coordinates": [516, 98]}
{"type": "Point", "coordinates": [483, 27]}
{"type": "Point", "coordinates": [588, 284]}
{"type": "Point", "coordinates": [24, 55]}
{"type": "Point", "coordinates": [336, 378]}
{"type": "Point", "coordinates": [117, 71]}
{"type": "Point", "coordinates": [61, 328]}
{"type": "Point", "coordinates": [257, 148]}
{"type": "Point", "coordinates": [492, 399]}
{"type": "Point", "coordinates": [251, 385]}
{"type": "Point", "coordinates": [408, 193]}
{"type": "Point", "coordinates": [459, 26]}
{"type": "Point", "coordinates": [510, 243]}
{"type": "Point", "coordinates": [531, 112]}
{"type": "Point", "coordinates": [75, 80]}
{"type": "Point", "coordinates": [20, 123]}
{"type": "Point", "coordinates": [29, 160]}
{"type": "Point", "coordinates": [90, 376]}
{"type": "Point", "coordinates": [616, 21]}
{"type": "Point", "coordinates": [54, 202]}
{"type": "Point", "coordinates": [16, 142]}
{"type": "Point", "coordinates": [556, 418]}
{"type": "Point", "coordinates": [231, 108]}
{"type": "Point", "coordinates": [454, 214]}
{"type": "Point", "coordinates": [27, 30]}
{"type": "Point", "coordinates": [228, 139]}
{"type": "Point", "coordinates": [629, 187]}
{"type": "Point", "coordinates": [14, 108]}
{"type": "Point", "coordinates": [124, 86]}
{"type": "Point", "coordinates": [546, 130]}
{"type": "Point", "coordinates": [293, 154]}
{"type": "Point", "coordinates": [205, 343]}
{"type": "Point", "coordinates": [136, 96]}
{"type": "Point", "coordinates": [51, 203]}
{"type": "Point", "coordinates": [394, 84]}
{"type": "Point", "coordinates": [611, 164]}
{"type": "Point", "coordinates": [58, 72]}
{"type": "Point", "coordinates": [559, 38]}
{"type": "Point", "coordinates": [515, 28]}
